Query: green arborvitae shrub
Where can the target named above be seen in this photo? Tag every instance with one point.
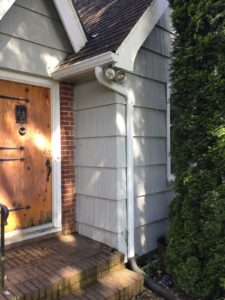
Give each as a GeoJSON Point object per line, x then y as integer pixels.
{"type": "Point", "coordinates": [196, 240]}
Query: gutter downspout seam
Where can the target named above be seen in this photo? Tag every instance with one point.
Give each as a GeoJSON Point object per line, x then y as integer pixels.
{"type": "Point", "coordinates": [129, 97]}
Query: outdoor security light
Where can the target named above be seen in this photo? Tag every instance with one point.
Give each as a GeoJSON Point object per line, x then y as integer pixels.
{"type": "Point", "coordinates": [110, 73]}
{"type": "Point", "coordinates": [120, 75]}
{"type": "Point", "coordinates": [113, 74]}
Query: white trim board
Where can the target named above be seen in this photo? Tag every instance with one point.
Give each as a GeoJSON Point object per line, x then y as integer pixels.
{"type": "Point", "coordinates": [56, 139]}
{"type": "Point", "coordinates": [71, 23]}
{"type": "Point", "coordinates": [128, 50]}
{"type": "Point", "coordinates": [30, 233]}
{"type": "Point", "coordinates": [5, 5]}
{"type": "Point", "coordinates": [170, 176]}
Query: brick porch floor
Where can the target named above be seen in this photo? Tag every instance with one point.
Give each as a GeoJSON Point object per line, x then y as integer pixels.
{"type": "Point", "coordinates": [67, 267]}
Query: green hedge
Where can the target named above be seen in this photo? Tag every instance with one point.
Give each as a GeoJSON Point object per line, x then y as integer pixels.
{"type": "Point", "coordinates": [196, 240]}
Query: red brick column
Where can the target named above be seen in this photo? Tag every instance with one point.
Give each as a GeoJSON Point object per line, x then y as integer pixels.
{"type": "Point", "coordinates": [67, 144]}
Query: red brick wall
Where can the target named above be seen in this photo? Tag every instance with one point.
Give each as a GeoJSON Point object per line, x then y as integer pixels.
{"type": "Point", "coordinates": [67, 144]}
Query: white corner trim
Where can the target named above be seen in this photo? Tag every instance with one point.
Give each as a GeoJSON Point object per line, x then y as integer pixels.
{"type": "Point", "coordinates": [170, 176]}
{"type": "Point", "coordinates": [71, 23]}
{"type": "Point", "coordinates": [5, 5]}
{"type": "Point", "coordinates": [129, 97]}
{"type": "Point", "coordinates": [79, 68]}
{"type": "Point", "coordinates": [129, 48]}
{"type": "Point", "coordinates": [56, 138]}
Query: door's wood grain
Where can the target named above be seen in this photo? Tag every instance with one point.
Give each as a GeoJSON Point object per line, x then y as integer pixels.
{"type": "Point", "coordinates": [23, 183]}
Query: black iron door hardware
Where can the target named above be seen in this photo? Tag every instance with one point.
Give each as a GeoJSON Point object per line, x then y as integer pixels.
{"type": "Point", "coordinates": [21, 118]}
{"type": "Point", "coordinates": [21, 111]}
{"type": "Point", "coordinates": [3, 97]}
{"type": "Point", "coordinates": [21, 114]}
{"type": "Point", "coordinates": [19, 208]}
{"type": "Point", "coordinates": [12, 159]}
{"type": "Point", "coordinates": [49, 168]}
{"type": "Point", "coordinates": [22, 130]}
{"type": "Point", "coordinates": [12, 148]}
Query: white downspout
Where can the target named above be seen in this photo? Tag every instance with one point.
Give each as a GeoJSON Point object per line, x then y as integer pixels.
{"type": "Point", "coordinates": [129, 97]}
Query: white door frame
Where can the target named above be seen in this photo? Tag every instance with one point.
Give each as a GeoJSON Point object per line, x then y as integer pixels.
{"type": "Point", "coordinates": [53, 85]}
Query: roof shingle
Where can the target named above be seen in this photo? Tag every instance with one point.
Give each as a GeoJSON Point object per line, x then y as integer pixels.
{"type": "Point", "coordinates": [106, 24]}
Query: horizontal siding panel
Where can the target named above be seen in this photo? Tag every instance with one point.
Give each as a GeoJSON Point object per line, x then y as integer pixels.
{"type": "Point", "coordinates": [44, 7]}
{"type": "Point", "coordinates": [92, 94]}
{"type": "Point", "coordinates": [150, 180]}
{"type": "Point", "coordinates": [146, 236]}
{"type": "Point", "coordinates": [102, 183]}
{"type": "Point", "coordinates": [27, 57]}
{"type": "Point", "coordinates": [151, 208]}
{"type": "Point", "coordinates": [114, 240]}
{"type": "Point", "coordinates": [98, 234]}
{"type": "Point", "coordinates": [152, 192]}
{"type": "Point", "coordinates": [101, 122]}
{"type": "Point", "coordinates": [27, 25]}
{"type": "Point", "coordinates": [101, 213]}
{"type": "Point", "coordinates": [152, 65]}
{"type": "Point", "coordinates": [159, 41]}
{"type": "Point", "coordinates": [165, 20]}
{"type": "Point", "coordinates": [149, 122]}
{"type": "Point", "coordinates": [147, 93]}
{"type": "Point", "coordinates": [149, 151]}
{"type": "Point", "coordinates": [101, 152]}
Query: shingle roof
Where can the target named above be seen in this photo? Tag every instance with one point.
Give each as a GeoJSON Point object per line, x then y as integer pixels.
{"type": "Point", "coordinates": [106, 24]}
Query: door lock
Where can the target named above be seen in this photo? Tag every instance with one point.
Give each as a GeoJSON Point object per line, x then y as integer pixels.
{"type": "Point", "coordinates": [21, 118]}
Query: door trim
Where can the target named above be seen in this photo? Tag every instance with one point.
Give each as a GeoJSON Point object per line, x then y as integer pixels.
{"type": "Point", "coordinates": [56, 137]}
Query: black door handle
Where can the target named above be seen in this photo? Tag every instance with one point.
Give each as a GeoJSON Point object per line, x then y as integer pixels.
{"type": "Point", "coordinates": [49, 168]}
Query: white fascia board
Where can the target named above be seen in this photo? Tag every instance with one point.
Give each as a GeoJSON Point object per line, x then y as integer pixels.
{"type": "Point", "coordinates": [84, 66]}
{"type": "Point", "coordinates": [128, 50]}
{"type": "Point", "coordinates": [5, 5]}
{"type": "Point", "coordinates": [71, 23]}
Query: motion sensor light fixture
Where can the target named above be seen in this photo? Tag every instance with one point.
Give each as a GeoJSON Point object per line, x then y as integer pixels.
{"type": "Point", "coordinates": [110, 73]}
{"type": "Point", "coordinates": [120, 76]}
{"type": "Point", "coordinates": [113, 74]}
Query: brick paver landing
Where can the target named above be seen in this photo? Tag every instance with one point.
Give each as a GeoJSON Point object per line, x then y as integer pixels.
{"type": "Point", "coordinates": [67, 265]}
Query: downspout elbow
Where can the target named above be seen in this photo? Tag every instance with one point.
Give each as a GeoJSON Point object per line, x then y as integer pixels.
{"type": "Point", "coordinates": [99, 74]}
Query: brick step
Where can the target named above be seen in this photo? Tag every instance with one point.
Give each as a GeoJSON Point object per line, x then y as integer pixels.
{"type": "Point", "coordinates": [122, 285]}
{"type": "Point", "coordinates": [53, 268]}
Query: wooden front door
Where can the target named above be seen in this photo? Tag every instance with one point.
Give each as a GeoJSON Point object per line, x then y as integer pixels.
{"type": "Point", "coordinates": [25, 154]}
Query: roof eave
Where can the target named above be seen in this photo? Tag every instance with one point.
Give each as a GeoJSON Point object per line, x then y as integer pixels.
{"type": "Point", "coordinates": [71, 23]}
{"type": "Point", "coordinates": [129, 48]}
{"type": "Point", "coordinates": [127, 51]}
{"type": "Point", "coordinates": [87, 65]}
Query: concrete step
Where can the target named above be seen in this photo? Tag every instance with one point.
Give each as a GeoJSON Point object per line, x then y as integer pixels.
{"type": "Point", "coordinates": [58, 266]}
{"type": "Point", "coordinates": [121, 285]}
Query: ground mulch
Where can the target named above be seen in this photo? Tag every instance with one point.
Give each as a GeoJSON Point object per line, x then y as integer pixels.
{"type": "Point", "coordinates": [148, 295]}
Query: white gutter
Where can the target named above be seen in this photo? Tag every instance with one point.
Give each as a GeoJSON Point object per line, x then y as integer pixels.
{"type": "Point", "coordinates": [84, 66]}
{"type": "Point", "coordinates": [129, 97]}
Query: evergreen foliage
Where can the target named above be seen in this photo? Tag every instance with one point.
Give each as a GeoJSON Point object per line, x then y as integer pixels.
{"type": "Point", "coordinates": [196, 239]}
